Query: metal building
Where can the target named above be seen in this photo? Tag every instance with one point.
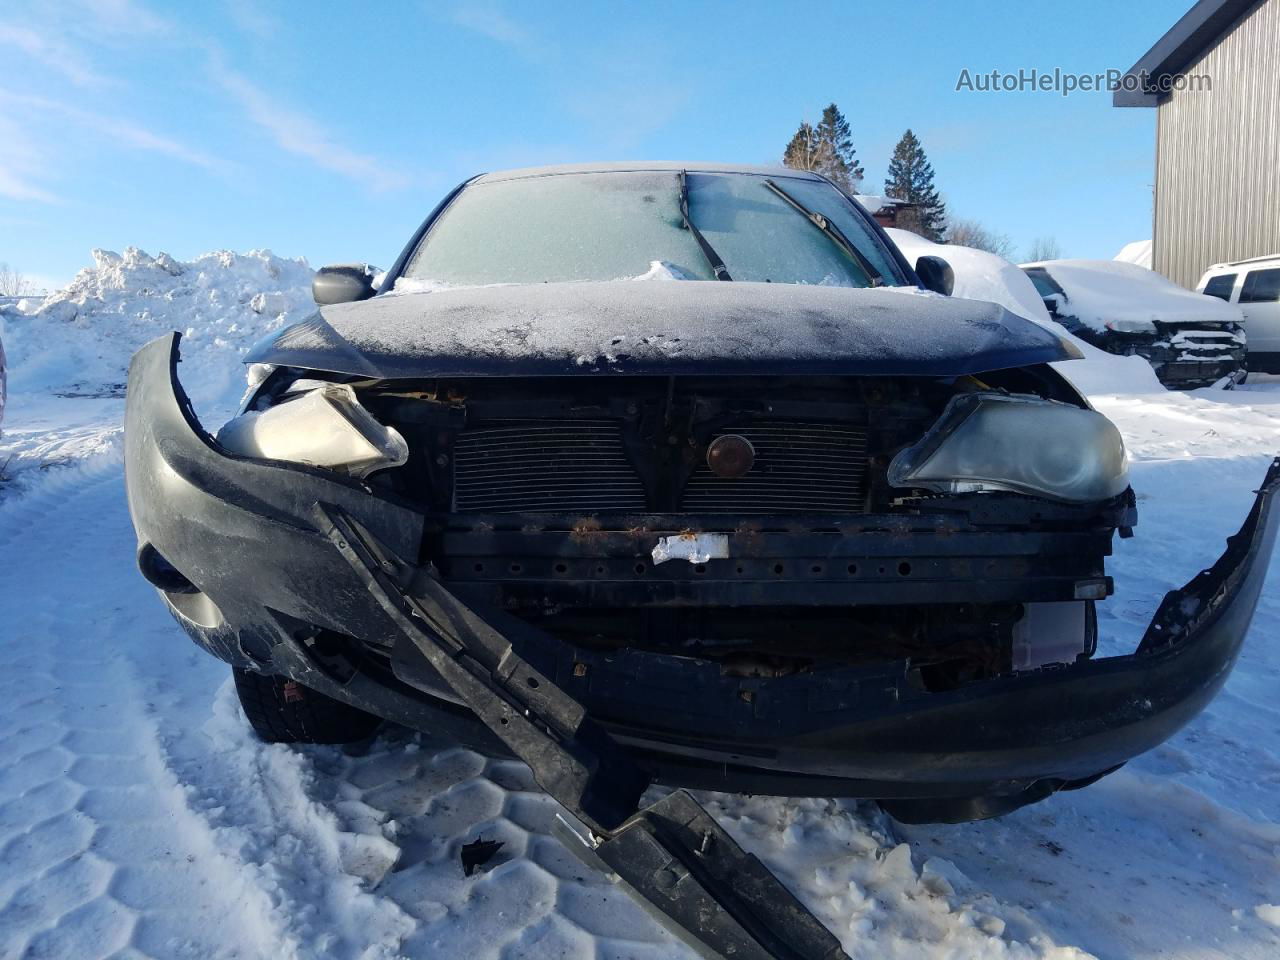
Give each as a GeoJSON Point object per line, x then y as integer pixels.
{"type": "Point", "coordinates": [1214, 81]}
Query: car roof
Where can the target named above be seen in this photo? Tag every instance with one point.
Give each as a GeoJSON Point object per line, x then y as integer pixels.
{"type": "Point", "coordinates": [639, 167]}
{"type": "Point", "coordinates": [1233, 264]}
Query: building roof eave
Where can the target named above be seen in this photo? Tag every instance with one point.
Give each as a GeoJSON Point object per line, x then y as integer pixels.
{"type": "Point", "coordinates": [1184, 42]}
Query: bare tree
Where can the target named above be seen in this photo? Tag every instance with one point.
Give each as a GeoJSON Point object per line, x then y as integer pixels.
{"type": "Point", "coordinates": [13, 283]}
{"type": "Point", "coordinates": [970, 233]}
{"type": "Point", "coordinates": [1043, 248]}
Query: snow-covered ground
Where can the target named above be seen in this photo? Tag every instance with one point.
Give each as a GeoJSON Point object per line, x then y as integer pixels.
{"type": "Point", "coordinates": [139, 818]}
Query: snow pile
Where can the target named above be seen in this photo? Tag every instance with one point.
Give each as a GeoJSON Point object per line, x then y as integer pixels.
{"type": "Point", "coordinates": [1111, 295]}
{"type": "Point", "coordinates": [1138, 252]}
{"type": "Point", "coordinates": [662, 270]}
{"type": "Point", "coordinates": [985, 276]}
{"type": "Point", "coordinates": [78, 341]}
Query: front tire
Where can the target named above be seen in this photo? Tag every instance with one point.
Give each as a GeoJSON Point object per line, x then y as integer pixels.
{"type": "Point", "coordinates": [281, 710]}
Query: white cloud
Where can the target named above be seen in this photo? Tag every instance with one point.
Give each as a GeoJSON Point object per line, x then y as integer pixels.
{"type": "Point", "coordinates": [47, 49]}
{"type": "Point", "coordinates": [21, 163]}
{"type": "Point", "coordinates": [486, 19]}
{"type": "Point", "coordinates": [253, 18]}
{"type": "Point", "coordinates": [125, 17]}
{"type": "Point", "coordinates": [300, 134]}
{"type": "Point", "coordinates": [117, 129]}
{"type": "Point", "coordinates": [489, 21]}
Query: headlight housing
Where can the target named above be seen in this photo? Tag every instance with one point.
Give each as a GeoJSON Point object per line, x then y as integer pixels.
{"type": "Point", "coordinates": [991, 441]}
{"type": "Point", "coordinates": [324, 426]}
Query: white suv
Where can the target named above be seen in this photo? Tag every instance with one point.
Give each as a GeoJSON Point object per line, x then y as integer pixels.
{"type": "Point", "coordinates": [1255, 286]}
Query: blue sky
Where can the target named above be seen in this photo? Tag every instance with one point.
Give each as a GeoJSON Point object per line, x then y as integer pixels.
{"type": "Point", "coordinates": [319, 130]}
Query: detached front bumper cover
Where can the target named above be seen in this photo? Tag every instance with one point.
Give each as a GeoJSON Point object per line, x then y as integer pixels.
{"type": "Point", "coordinates": [254, 557]}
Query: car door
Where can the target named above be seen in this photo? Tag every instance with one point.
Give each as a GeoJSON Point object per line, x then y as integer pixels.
{"type": "Point", "coordinates": [1260, 302]}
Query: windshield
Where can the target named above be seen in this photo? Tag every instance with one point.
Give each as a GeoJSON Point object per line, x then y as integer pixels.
{"type": "Point", "coordinates": [609, 226]}
{"type": "Point", "coordinates": [1044, 284]}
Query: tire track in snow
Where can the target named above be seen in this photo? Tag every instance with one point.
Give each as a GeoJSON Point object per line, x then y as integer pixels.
{"type": "Point", "coordinates": [236, 812]}
{"type": "Point", "coordinates": [127, 695]}
{"type": "Point", "coordinates": [100, 851]}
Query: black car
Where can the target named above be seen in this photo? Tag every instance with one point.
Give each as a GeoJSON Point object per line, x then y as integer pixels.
{"type": "Point", "coordinates": [792, 524]}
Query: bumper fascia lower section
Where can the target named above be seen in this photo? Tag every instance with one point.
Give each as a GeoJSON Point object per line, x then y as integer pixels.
{"type": "Point", "coordinates": [246, 540]}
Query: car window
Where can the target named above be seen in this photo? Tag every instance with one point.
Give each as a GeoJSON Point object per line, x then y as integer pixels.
{"type": "Point", "coordinates": [1044, 284]}
{"type": "Point", "coordinates": [1261, 286]}
{"type": "Point", "coordinates": [762, 237]}
{"type": "Point", "coordinates": [613, 225]}
{"type": "Point", "coordinates": [591, 227]}
{"type": "Point", "coordinates": [1220, 286]}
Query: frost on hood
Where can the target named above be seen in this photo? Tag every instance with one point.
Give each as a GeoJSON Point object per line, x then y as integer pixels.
{"type": "Point", "coordinates": [583, 327]}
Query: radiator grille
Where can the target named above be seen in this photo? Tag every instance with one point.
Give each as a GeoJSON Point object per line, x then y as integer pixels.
{"type": "Point", "coordinates": [510, 466]}
{"type": "Point", "coordinates": [799, 468]}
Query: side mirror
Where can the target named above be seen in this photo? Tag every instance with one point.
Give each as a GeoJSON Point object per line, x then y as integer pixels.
{"type": "Point", "coordinates": [936, 275]}
{"type": "Point", "coordinates": [342, 283]}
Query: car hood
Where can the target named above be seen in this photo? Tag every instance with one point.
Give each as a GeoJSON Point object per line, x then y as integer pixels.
{"type": "Point", "coordinates": [661, 328]}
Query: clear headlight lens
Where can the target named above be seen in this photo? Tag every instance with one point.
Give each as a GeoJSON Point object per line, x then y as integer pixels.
{"type": "Point", "coordinates": [987, 441]}
{"type": "Point", "coordinates": [324, 427]}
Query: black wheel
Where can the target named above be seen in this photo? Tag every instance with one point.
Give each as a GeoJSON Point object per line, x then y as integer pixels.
{"type": "Point", "coordinates": [281, 710]}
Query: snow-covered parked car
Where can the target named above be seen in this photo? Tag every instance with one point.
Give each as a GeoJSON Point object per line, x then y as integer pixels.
{"type": "Point", "coordinates": [814, 531]}
{"type": "Point", "coordinates": [979, 275]}
{"type": "Point", "coordinates": [1126, 309]}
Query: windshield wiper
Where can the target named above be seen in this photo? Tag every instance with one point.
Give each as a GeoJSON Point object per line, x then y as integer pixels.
{"type": "Point", "coordinates": [835, 234]}
{"type": "Point", "coordinates": [718, 268]}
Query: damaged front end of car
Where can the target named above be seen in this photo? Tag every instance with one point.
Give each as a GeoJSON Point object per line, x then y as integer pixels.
{"type": "Point", "coordinates": [1183, 355]}
{"type": "Point", "coordinates": [853, 585]}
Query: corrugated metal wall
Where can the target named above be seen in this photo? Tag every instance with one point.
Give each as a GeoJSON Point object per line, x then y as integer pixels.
{"type": "Point", "coordinates": [1218, 155]}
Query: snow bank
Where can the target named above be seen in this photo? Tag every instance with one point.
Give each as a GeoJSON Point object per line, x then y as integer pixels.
{"type": "Point", "coordinates": [78, 341]}
{"type": "Point", "coordinates": [1138, 252]}
{"type": "Point", "coordinates": [1112, 295]}
{"type": "Point", "coordinates": [985, 276]}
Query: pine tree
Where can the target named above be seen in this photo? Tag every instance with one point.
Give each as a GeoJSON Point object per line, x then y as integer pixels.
{"type": "Point", "coordinates": [826, 149]}
{"type": "Point", "coordinates": [802, 151]}
{"type": "Point", "coordinates": [833, 133]}
{"type": "Point", "coordinates": [911, 179]}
